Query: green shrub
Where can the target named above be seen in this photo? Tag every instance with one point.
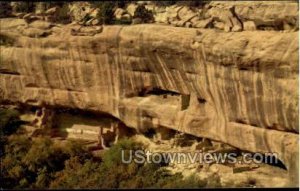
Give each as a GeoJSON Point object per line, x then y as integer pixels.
{"type": "Point", "coordinates": [9, 121]}
{"type": "Point", "coordinates": [77, 174]}
{"type": "Point", "coordinates": [40, 163]}
{"type": "Point", "coordinates": [106, 13]}
{"type": "Point", "coordinates": [75, 149]}
{"type": "Point", "coordinates": [12, 171]}
{"type": "Point", "coordinates": [122, 22]}
{"type": "Point", "coordinates": [164, 3]}
{"type": "Point", "coordinates": [188, 182]}
{"type": "Point", "coordinates": [34, 163]}
{"type": "Point", "coordinates": [63, 15]}
{"type": "Point", "coordinates": [191, 3]}
{"type": "Point", "coordinates": [5, 9]}
{"type": "Point", "coordinates": [113, 155]}
{"type": "Point", "coordinates": [25, 7]}
{"type": "Point", "coordinates": [145, 15]}
{"type": "Point", "coordinates": [5, 40]}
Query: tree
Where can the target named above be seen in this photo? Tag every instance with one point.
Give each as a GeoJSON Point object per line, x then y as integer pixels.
{"type": "Point", "coordinates": [9, 121]}
{"type": "Point", "coordinates": [5, 9]}
{"type": "Point", "coordinates": [145, 15]}
{"type": "Point", "coordinates": [106, 13]}
{"type": "Point", "coordinates": [25, 7]}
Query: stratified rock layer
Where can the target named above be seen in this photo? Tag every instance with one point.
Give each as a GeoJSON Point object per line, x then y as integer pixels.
{"type": "Point", "coordinates": [239, 88]}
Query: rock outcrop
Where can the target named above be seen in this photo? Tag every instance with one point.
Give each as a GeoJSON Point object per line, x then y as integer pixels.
{"type": "Point", "coordinates": [237, 88]}
{"type": "Point", "coordinates": [233, 15]}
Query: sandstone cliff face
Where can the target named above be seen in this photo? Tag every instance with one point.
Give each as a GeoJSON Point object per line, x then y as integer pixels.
{"type": "Point", "coordinates": [239, 88]}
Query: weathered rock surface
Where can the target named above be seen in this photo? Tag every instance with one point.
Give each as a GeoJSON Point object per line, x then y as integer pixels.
{"type": "Point", "coordinates": [238, 88]}
{"type": "Point", "coordinates": [229, 175]}
{"type": "Point", "coordinates": [272, 15]}
{"type": "Point", "coordinates": [227, 15]}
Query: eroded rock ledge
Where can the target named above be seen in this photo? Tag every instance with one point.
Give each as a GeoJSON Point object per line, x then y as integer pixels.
{"type": "Point", "coordinates": [238, 88]}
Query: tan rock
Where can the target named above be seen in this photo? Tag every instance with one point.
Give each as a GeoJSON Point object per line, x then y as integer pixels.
{"type": "Point", "coordinates": [136, 21]}
{"type": "Point", "coordinates": [227, 28]}
{"type": "Point", "coordinates": [287, 26]}
{"type": "Point", "coordinates": [188, 24]}
{"type": "Point", "coordinates": [204, 145]}
{"type": "Point", "coordinates": [86, 31]}
{"type": "Point", "coordinates": [131, 8]}
{"type": "Point", "coordinates": [51, 11]}
{"type": "Point", "coordinates": [207, 23]}
{"type": "Point", "coordinates": [161, 18]}
{"type": "Point", "coordinates": [249, 26]}
{"type": "Point", "coordinates": [89, 22]}
{"type": "Point", "coordinates": [241, 168]}
{"type": "Point", "coordinates": [20, 15]}
{"type": "Point", "coordinates": [227, 16]}
{"type": "Point", "coordinates": [41, 25]}
{"type": "Point", "coordinates": [35, 33]}
{"type": "Point", "coordinates": [94, 12]}
{"type": "Point", "coordinates": [185, 14]}
{"type": "Point", "coordinates": [219, 168]}
{"type": "Point", "coordinates": [119, 12]}
{"type": "Point", "coordinates": [28, 15]}
{"type": "Point", "coordinates": [236, 28]}
{"type": "Point", "coordinates": [95, 22]}
{"type": "Point", "coordinates": [126, 16]}
{"type": "Point", "coordinates": [229, 77]}
{"type": "Point", "coordinates": [219, 25]}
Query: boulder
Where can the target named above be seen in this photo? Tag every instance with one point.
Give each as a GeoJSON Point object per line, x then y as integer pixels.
{"type": "Point", "coordinates": [185, 14]}
{"type": "Point", "coordinates": [51, 11]}
{"type": "Point", "coordinates": [40, 8]}
{"type": "Point", "coordinates": [249, 26]}
{"type": "Point", "coordinates": [35, 33]}
{"type": "Point", "coordinates": [287, 26]}
{"type": "Point", "coordinates": [241, 168]}
{"type": "Point", "coordinates": [237, 25]}
{"type": "Point", "coordinates": [86, 31]}
{"type": "Point", "coordinates": [204, 145]}
{"type": "Point", "coordinates": [188, 24]}
{"type": "Point", "coordinates": [126, 16]}
{"type": "Point", "coordinates": [227, 16]}
{"type": "Point", "coordinates": [94, 12]}
{"type": "Point", "coordinates": [27, 16]}
{"type": "Point", "coordinates": [20, 15]}
{"type": "Point", "coordinates": [207, 23]}
{"type": "Point", "coordinates": [219, 168]}
{"type": "Point", "coordinates": [131, 8]}
{"type": "Point", "coordinates": [136, 21]}
{"type": "Point", "coordinates": [89, 22]}
{"type": "Point", "coordinates": [44, 25]}
{"type": "Point", "coordinates": [30, 17]}
{"type": "Point", "coordinates": [95, 22]}
{"type": "Point", "coordinates": [219, 25]}
{"type": "Point", "coordinates": [161, 18]}
{"type": "Point", "coordinates": [50, 18]}
{"type": "Point", "coordinates": [119, 12]}
{"type": "Point", "coordinates": [180, 23]}
{"type": "Point", "coordinates": [236, 28]}
{"type": "Point", "coordinates": [122, 14]}
{"type": "Point", "coordinates": [227, 28]}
